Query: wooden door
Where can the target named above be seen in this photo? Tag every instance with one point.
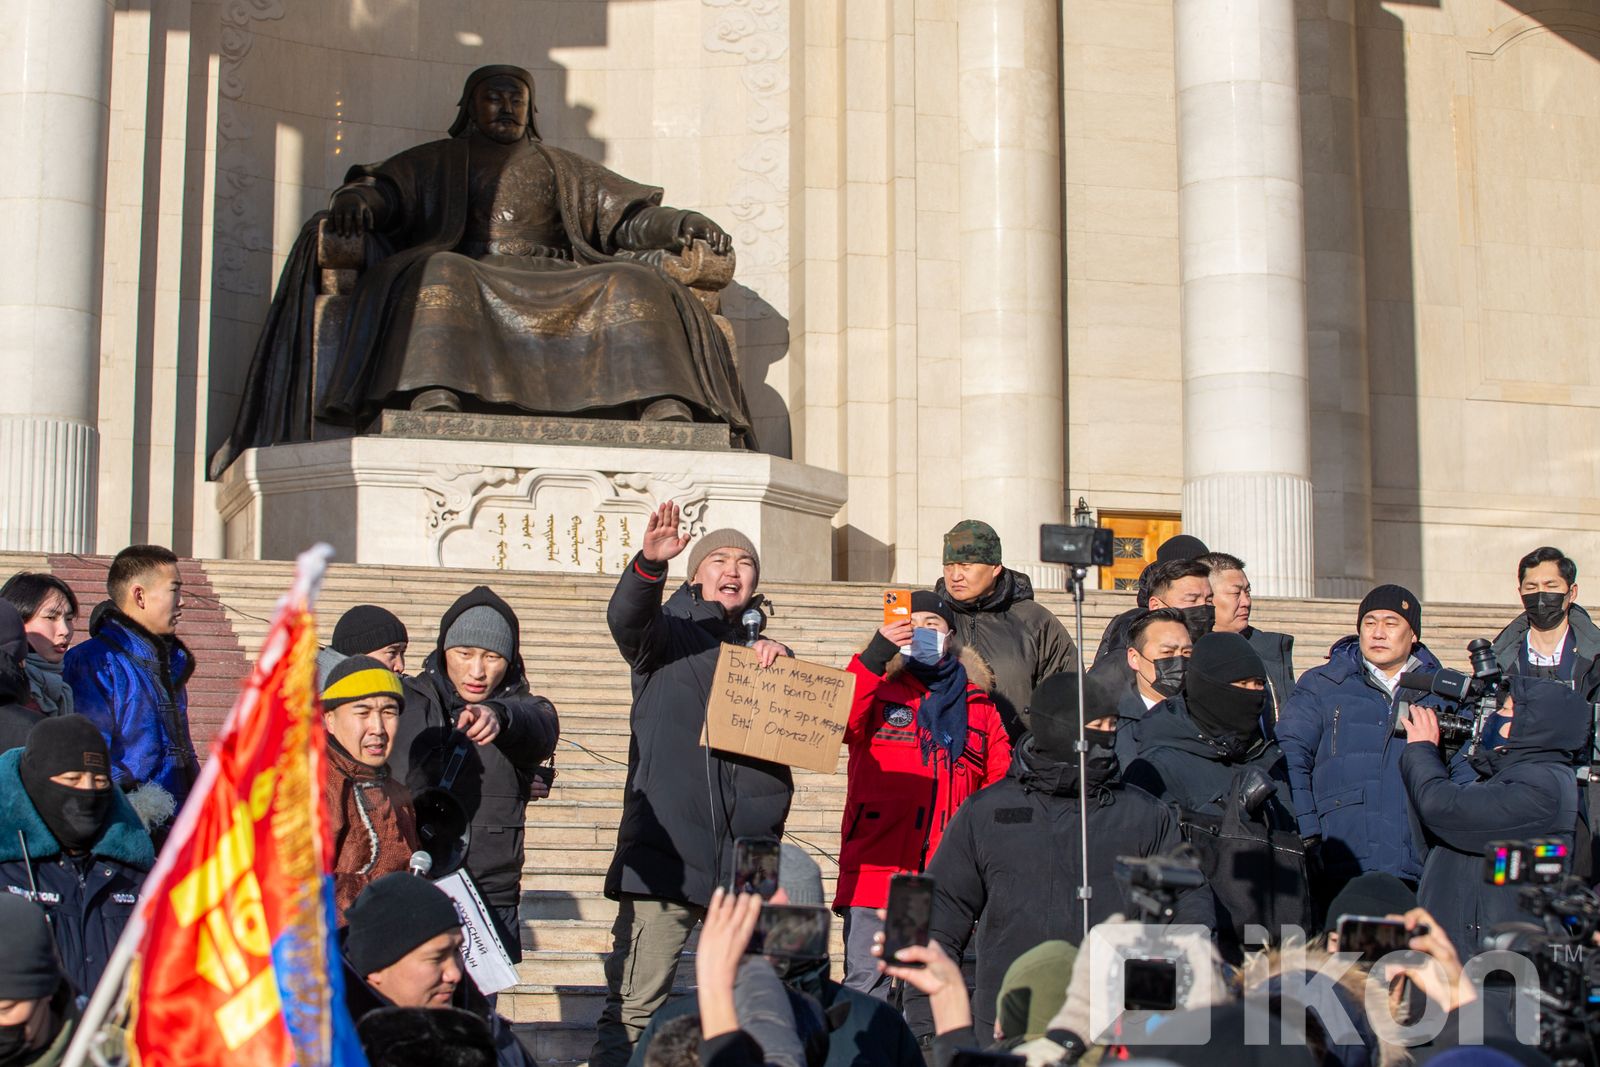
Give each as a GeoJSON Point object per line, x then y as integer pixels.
{"type": "Point", "coordinates": [1136, 535]}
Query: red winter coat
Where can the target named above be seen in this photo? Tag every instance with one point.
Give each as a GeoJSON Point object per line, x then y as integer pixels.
{"type": "Point", "coordinates": [896, 806]}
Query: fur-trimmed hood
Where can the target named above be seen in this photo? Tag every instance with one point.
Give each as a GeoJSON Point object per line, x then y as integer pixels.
{"type": "Point", "coordinates": [124, 839]}
{"type": "Point", "coordinates": [978, 672]}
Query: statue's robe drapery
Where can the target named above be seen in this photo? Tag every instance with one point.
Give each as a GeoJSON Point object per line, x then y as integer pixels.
{"type": "Point", "coordinates": [576, 326]}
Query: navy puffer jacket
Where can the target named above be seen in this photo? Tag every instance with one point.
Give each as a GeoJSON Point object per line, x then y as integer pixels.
{"type": "Point", "coordinates": [1337, 734]}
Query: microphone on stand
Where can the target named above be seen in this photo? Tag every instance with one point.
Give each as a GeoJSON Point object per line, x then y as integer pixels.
{"type": "Point", "coordinates": [421, 863]}
{"type": "Point", "coordinates": [751, 620]}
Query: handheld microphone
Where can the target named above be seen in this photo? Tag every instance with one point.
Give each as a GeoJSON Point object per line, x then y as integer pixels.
{"type": "Point", "coordinates": [421, 863]}
{"type": "Point", "coordinates": [751, 620]}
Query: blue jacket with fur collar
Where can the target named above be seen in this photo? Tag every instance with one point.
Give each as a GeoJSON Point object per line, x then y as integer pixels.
{"type": "Point", "coordinates": [89, 898]}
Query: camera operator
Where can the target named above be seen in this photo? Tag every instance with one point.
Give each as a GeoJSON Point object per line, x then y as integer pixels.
{"type": "Point", "coordinates": [1337, 734]}
{"type": "Point", "coordinates": [1010, 860]}
{"type": "Point", "coordinates": [1525, 789]}
{"type": "Point", "coordinates": [1204, 751]}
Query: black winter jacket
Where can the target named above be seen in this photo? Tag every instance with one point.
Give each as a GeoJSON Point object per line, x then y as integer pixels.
{"type": "Point", "coordinates": [1019, 638]}
{"type": "Point", "coordinates": [1277, 653]}
{"type": "Point", "coordinates": [1528, 789]}
{"type": "Point", "coordinates": [1510, 642]}
{"type": "Point", "coordinates": [1255, 863]}
{"type": "Point", "coordinates": [682, 804]}
{"type": "Point", "coordinates": [89, 898]}
{"type": "Point", "coordinates": [1011, 861]}
{"type": "Point", "coordinates": [494, 779]}
{"type": "Point", "coordinates": [17, 717]}
{"type": "Point", "coordinates": [1114, 641]}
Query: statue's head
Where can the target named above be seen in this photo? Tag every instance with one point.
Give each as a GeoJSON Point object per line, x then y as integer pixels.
{"type": "Point", "coordinates": [497, 101]}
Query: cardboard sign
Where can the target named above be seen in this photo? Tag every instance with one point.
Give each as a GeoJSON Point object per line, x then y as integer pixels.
{"type": "Point", "coordinates": [793, 712]}
{"type": "Point", "coordinates": [482, 954]}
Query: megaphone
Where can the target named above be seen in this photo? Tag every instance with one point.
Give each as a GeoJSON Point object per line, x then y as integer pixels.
{"type": "Point", "coordinates": [443, 827]}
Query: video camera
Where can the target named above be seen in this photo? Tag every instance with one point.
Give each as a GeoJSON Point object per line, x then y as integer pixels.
{"type": "Point", "coordinates": [1075, 546]}
{"type": "Point", "coordinates": [1559, 945]}
{"type": "Point", "coordinates": [1482, 691]}
{"type": "Point", "coordinates": [1154, 972]}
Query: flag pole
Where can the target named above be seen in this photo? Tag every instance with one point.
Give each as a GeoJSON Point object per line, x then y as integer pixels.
{"type": "Point", "coordinates": [309, 569]}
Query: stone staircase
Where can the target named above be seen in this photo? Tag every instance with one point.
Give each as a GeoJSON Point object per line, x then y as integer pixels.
{"type": "Point", "coordinates": [566, 920]}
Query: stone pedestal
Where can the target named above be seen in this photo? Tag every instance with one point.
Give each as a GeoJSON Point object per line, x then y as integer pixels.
{"type": "Point", "coordinates": [577, 509]}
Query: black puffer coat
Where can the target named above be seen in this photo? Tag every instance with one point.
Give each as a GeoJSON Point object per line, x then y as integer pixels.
{"type": "Point", "coordinates": [494, 779]}
{"type": "Point", "coordinates": [1254, 860]}
{"type": "Point", "coordinates": [1020, 639]}
{"type": "Point", "coordinates": [1528, 789]}
{"type": "Point", "coordinates": [1011, 862]}
{"type": "Point", "coordinates": [683, 804]}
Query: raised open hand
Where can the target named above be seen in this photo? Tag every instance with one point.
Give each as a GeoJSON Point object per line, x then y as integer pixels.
{"type": "Point", "coordinates": [661, 538]}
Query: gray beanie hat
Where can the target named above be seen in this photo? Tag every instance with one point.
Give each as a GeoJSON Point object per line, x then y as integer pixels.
{"type": "Point", "coordinates": [798, 875]}
{"type": "Point", "coordinates": [481, 627]}
{"type": "Point", "coordinates": [724, 538]}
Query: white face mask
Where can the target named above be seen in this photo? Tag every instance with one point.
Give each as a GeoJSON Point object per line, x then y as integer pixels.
{"type": "Point", "coordinates": [927, 645]}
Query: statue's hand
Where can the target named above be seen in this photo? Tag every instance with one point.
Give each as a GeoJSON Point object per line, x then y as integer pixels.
{"type": "Point", "coordinates": [696, 227]}
{"type": "Point", "coordinates": [352, 215]}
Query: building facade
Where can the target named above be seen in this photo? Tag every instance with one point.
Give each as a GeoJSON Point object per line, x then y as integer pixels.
{"type": "Point", "coordinates": [1308, 277]}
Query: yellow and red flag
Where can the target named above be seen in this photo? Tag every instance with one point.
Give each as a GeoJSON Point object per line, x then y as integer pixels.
{"type": "Point", "coordinates": [237, 960]}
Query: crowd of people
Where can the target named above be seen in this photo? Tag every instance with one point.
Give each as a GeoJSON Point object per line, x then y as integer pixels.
{"type": "Point", "coordinates": [1190, 782]}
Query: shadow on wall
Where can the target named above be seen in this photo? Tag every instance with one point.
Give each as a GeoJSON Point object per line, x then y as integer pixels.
{"type": "Point", "coordinates": [762, 335]}
{"type": "Point", "coordinates": [1391, 299]}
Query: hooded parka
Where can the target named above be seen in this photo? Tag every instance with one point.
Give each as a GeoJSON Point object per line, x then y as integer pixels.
{"type": "Point", "coordinates": [1019, 638]}
{"type": "Point", "coordinates": [683, 803]}
{"type": "Point", "coordinates": [1527, 788]}
{"type": "Point", "coordinates": [90, 897]}
{"type": "Point", "coordinates": [493, 781]}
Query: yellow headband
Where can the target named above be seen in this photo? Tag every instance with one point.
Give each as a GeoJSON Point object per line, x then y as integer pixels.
{"type": "Point", "coordinates": [372, 682]}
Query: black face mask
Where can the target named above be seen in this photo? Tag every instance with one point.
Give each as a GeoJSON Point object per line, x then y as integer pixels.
{"type": "Point", "coordinates": [1100, 762]}
{"type": "Point", "coordinates": [1169, 674]}
{"type": "Point", "coordinates": [14, 1047]}
{"type": "Point", "coordinates": [1546, 611]}
{"type": "Point", "coordinates": [1201, 619]}
{"type": "Point", "coordinates": [75, 816]}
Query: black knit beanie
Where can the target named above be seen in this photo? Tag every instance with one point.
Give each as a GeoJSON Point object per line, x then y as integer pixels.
{"type": "Point", "coordinates": [929, 601]}
{"type": "Point", "coordinates": [1181, 546]}
{"type": "Point", "coordinates": [63, 744]}
{"type": "Point", "coordinates": [367, 628]}
{"type": "Point", "coordinates": [1373, 893]}
{"type": "Point", "coordinates": [393, 916]}
{"type": "Point", "coordinates": [29, 966]}
{"type": "Point", "coordinates": [1053, 717]}
{"type": "Point", "coordinates": [1396, 598]}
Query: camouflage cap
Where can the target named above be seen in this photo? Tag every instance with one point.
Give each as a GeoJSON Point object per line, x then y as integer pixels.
{"type": "Point", "coordinates": [972, 541]}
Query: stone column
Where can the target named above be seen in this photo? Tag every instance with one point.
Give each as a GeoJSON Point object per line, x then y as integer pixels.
{"type": "Point", "coordinates": [1012, 429]}
{"type": "Point", "coordinates": [1247, 465]}
{"type": "Point", "coordinates": [55, 76]}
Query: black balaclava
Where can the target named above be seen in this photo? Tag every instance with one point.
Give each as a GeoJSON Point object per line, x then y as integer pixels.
{"type": "Point", "coordinates": [1053, 720]}
{"type": "Point", "coordinates": [1224, 712]}
{"type": "Point", "coordinates": [76, 817]}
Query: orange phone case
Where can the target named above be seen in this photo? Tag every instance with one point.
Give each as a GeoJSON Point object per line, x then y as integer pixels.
{"type": "Point", "coordinates": [896, 605]}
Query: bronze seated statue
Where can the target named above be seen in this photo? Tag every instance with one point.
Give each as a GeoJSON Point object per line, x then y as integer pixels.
{"type": "Point", "coordinates": [489, 271]}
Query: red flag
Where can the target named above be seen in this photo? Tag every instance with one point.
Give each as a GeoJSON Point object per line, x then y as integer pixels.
{"type": "Point", "coordinates": [237, 962]}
